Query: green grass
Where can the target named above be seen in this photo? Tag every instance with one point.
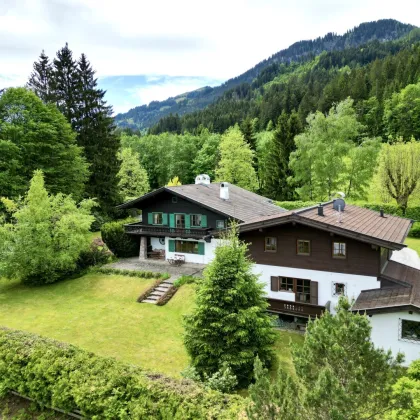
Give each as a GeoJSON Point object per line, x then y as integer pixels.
{"type": "Point", "coordinates": [99, 313]}
{"type": "Point", "coordinates": [283, 350]}
{"type": "Point", "coordinates": [94, 235]}
{"type": "Point", "coordinates": [413, 243]}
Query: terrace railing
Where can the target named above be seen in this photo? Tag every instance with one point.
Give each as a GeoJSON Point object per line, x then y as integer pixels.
{"type": "Point", "coordinates": [295, 308]}
{"type": "Point", "coordinates": [148, 230]}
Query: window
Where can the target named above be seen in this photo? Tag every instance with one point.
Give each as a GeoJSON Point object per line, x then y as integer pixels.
{"type": "Point", "coordinates": [180, 221]}
{"type": "Point", "coordinates": [410, 330]}
{"type": "Point", "coordinates": [174, 200]}
{"type": "Point", "coordinates": [338, 289]}
{"type": "Point", "coordinates": [195, 220]}
{"type": "Point", "coordinates": [187, 247]}
{"type": "Point", "coordinates": [270, 244]}
{"type": "Point", "coordinates": [220, 224]}
{"type": "Point", "coordinates": [157, 218]}
{"type": "Point", "coordinates": [286, 284]}
{"type": "Point", "coordinates": [339, 250]}
{"type": "Point", "coordinates": [301, 287]}
{"type": "Point", "coordinates": [303, 291]}
{"type": "Point", "coordinates": [303, 247]}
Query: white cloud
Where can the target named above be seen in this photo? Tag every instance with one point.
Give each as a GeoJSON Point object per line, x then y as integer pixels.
{"type": "Point", "coordinates": [218, 38]}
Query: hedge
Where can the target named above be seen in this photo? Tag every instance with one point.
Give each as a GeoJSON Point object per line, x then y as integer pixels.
{"type": "Point", "coordinates": [411, 212]}
{"type": "Point", "coordinates": [134, 273]}
{"type": "Point", "coordinates": [63, 376]}
{"type": "Point", "coordinates": [121, 244]}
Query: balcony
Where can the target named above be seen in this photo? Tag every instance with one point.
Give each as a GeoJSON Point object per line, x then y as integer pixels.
{"type": "Point", "coordinates": [295, 308]}
{"type": "Point", "coordinates": [149, 230]}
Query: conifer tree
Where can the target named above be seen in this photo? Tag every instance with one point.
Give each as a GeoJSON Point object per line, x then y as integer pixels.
{"type": "Point", "coordinates": [65, 84]}
{"type": "Point", "coordinates": [95, 129]}
{"type": "Point", "coordinates": [41, 78]}
{"type": "Point", "coordinates": [230, 324]}
{"type": "Point", "coordinates": [277, 166]}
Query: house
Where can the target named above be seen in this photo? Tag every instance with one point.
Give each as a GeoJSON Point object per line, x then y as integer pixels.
{"type": "Point", "coordinates": [306, 258]}
{"type": "Point", "coordinates": [310, 257]}
{"type": "Point", "coordinates": [184, 221]}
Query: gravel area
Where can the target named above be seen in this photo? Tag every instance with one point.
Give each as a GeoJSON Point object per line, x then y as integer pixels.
{"type": "Point", "coordinates": [159, 266]}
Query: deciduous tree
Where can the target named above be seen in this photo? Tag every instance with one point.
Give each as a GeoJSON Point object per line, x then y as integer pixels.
{"type": "Point", "coordinates": [236, 160]}
{"type": "Point", "coordinates": [134, 181]}
{"type": "Point", "coordinates": [46, 235]}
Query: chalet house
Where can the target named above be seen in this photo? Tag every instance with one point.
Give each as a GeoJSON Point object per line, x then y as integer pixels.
{"type": "Point", "coordinates": [306, 258]}
{"type": "Point", "coordinates": [184, 220]}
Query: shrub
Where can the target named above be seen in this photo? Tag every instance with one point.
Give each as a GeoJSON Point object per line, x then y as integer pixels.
{"type": "Point", "coordinates": [95, 255]}
{"type": "Point", "coordinates": [121, 244]}
{"type": "Point", "coordinates": [60, 375]}
{"type": "Point", "coordinates": [134, 273]}
{"type": "Point", "coordinates": [415, 231]}
{"type": "Point", "coordinates": [184, 280]}
{"type": "Point", "coordinates": [293, 205]}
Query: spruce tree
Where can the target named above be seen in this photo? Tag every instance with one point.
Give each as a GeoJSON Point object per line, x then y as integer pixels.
{"type": "Point", "coordinates": [230, 324]}
{"type": "Point", "coordinates": [95, 129]}
{"type": "Point", "coordinates": [41, 78]}
{"type": "Point", "coordinates": [277, 168]}
{"type": "Point", "coordinates": [65, 84]}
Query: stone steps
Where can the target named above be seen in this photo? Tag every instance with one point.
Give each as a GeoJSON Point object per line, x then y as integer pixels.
{"type": "Point", "coordinates": [158, 291]}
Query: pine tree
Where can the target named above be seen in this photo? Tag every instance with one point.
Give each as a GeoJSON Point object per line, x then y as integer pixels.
{"type": "Point", "coordinates": [230, 324]}
{"type": "Point", "coordinates": [40, 78]}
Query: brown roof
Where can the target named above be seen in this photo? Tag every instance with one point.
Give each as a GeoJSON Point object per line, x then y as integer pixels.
{"type": "Point", "coordinates": [406, 291]}
{"type": "Point", "coordinates": [356, 222]}
{"type": "Point", "coordinates": [242, 205]}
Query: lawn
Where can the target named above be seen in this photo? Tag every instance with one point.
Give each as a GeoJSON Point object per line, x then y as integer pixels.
{"type": "Point", "coordinates": [413, 243]}
{"type": "Point", "coordinates": [99, 313]}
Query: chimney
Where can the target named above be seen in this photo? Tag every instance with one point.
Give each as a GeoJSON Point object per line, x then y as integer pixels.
{"type": "Point", "coordinates": [381, 212]}
{"type": "Point", "coordinates": [203, 179]}
{"type": "Point", "coordinates": [320, 210]}
{"type": "Point", "coordinates": [224, 191]}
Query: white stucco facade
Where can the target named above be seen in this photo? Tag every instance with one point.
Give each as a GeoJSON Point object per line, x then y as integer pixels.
{"type": "Point", "coordinates": [209, 248]}
{"type": "Point", "coordinates": [386, 334]}
{"type": "Point", "coordinates": [354, 284]}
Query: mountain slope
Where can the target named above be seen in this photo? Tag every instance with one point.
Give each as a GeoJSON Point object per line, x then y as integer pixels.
{"type": "Point", "coordinates": [303, 51]}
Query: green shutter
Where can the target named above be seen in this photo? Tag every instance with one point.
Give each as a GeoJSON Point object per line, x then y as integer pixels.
{"type": "Point", "coordinates": [150, 218]}
{"type": "Point", "coordinates": [164, 219]}
{"type": "Point", "coordinates": [171, 245]}
{"type": "Point", "coordinates": [187, 221]}
{"type": "Point", "coordinates": [203, 221]}
{"type": "Point", "coordinates": [172, 220]}
{"type": "Point", "coordinates": [201, 246]}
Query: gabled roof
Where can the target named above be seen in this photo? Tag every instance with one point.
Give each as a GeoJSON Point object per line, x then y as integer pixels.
{"type": "Point", "coordinates": [406, 292]}
{"type": "Point", "coordinates": [242, 205]}
{"type": "Point", "coordinates": [354, 222]}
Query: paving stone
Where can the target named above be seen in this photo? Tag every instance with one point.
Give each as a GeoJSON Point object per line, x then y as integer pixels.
{"type": "Point", "coordinates": [149, 301]}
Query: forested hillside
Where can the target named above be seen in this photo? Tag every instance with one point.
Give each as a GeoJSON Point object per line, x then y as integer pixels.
{"type": "Point", "coordinates": [283, 62]}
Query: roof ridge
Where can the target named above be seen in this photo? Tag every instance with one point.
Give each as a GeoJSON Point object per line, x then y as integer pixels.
{"type": "Point", "coordinates": [303, 209]}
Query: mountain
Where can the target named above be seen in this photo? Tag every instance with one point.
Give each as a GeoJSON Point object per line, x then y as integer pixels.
{"type": "Point", "coordinates": [145, 116]}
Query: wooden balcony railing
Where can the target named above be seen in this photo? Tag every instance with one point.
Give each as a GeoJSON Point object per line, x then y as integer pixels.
{"type": "Point", "coordinates": [148, 230]}
{"type": "Point", "coordinates": [295, 308]}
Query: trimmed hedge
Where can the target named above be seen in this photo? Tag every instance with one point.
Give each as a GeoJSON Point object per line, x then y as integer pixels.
{"type": "Point", "coordinates": [63, 376]}
{"type": "Point", "coordinates": [121, 244]}
{"type": "Point", "coordinates": [134, 273]}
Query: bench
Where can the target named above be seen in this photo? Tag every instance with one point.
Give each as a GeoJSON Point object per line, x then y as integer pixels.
{"type": "Point", "coordinates": [177, 260]}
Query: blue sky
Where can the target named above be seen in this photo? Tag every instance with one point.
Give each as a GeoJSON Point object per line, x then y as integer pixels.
{"type": "Point", "coordinates": [145, 50]}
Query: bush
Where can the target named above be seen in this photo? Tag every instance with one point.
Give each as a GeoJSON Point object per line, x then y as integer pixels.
{"type": "Point", "coordinates": [134, 273]}
{"type": "Point", "coordinates": [63, 376]}
{"type": "Point", "coordinates": [95, 255]}
{"type": "Point", "coordinates": [293, 205]}
{"type": "Point", "coordinates": [415, 231]}
{"type": "Point", "coordinates": [121, 244]}
{"type": "Point", "coordinates": [184, 280]}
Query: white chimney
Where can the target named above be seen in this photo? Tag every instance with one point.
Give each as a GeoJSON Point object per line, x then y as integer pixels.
{"type": "Point", "coordinates": [202, 179]}
{"type": "Point", "coordinates": [224, 191]}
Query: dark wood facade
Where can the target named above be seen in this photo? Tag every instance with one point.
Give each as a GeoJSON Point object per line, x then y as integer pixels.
{"type": "Point", "coordinates": [361, 258]}
{"type": "Point", "coordinates": [294, 308]}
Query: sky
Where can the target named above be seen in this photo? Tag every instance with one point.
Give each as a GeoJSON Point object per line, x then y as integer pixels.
{"type": "Point", "coordinates": [144, 51]}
